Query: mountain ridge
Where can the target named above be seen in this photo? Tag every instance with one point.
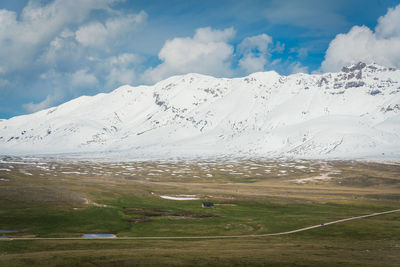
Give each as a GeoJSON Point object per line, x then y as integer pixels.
{"type": "Point", "coordinates": [351, 113]}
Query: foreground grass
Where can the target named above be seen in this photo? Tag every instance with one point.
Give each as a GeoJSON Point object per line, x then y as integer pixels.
{"type": "Point", "coordinates": [61, 204]}
{"type": "Point", "coordinates": [140, 216]}
{"type": "Point", "coordinates": [296, 250]}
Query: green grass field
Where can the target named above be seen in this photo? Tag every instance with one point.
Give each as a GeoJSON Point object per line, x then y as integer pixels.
{"type": "Point", "coordinates": [52, 198]}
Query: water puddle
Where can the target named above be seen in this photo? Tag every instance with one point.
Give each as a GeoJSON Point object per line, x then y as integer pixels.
{"type": "Point", "coordinates": [8, 231]}
{"type": "Point", "coordinates": [99, 236]}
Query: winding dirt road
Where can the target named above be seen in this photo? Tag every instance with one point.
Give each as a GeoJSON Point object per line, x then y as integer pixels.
{"type": "Point", "coordinates": [207, 237]}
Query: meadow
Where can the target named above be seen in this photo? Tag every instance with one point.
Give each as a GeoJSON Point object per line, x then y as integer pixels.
{"type": "Point", "coordinates": [54, 198]}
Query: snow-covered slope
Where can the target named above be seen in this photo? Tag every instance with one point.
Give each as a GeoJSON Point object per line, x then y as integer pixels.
{"type": "Point", "coordinates": [352, 113]}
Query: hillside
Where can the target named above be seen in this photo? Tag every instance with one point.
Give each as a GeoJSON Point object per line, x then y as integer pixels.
{"type": "Point", "coordinates": [352, 113]}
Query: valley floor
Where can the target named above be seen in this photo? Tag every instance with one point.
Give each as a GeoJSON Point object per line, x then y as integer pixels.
{"type": "Point", "coordinates": [52, 198]}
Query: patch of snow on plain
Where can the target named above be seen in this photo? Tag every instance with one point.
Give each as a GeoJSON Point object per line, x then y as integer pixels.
{"type": "Point", "coordinates": [179, 198]}
{"type": "Point", "coordinates": [323, 177]}
{"type": "Point", "coordinates": [73, 172]}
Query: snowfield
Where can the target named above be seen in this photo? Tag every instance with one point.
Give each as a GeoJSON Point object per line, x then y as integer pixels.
{"type": "Point", "coordinates": [350, 114]}
{"type": "Point", "coordinates": [179, 198]}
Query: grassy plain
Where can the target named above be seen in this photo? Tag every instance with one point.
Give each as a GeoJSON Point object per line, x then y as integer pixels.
{"type": "Point", "coordinates": [55, 198]}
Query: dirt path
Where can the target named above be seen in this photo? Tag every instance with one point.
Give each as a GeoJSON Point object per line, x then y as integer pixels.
{"type": "Point", "coordinates": [207, 237]}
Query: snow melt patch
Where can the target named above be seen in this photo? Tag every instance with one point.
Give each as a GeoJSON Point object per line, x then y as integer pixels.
{"type": "Point", "coordinates": [323, 177]}
{"type": "Point", "coordinates": [179, 198]}
{"type": "Point", "coordinates": [74, 172]}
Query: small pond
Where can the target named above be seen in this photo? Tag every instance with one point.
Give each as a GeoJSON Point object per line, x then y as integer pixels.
{"type": "Point", "coordinates": [2, 231]}
{"type": "Point", "coordinates": [99, 236]}
{"type": "Point", "coordinates": [7, 231]}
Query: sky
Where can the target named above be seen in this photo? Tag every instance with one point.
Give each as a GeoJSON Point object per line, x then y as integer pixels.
{"type": "Point", "coordinates": [55, 50]}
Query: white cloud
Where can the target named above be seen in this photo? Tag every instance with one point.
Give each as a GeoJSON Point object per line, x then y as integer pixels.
{"type": "Point", "coordinates": [258, 43]}
{"type": "Point", "coordinates": [82, 78]}
{"type": "Point", "coordinates": [255, 52]}
{"type": "Point", "coordinates": [46, 103]}
{"type": "Point", "coordinates": [122, 76]}
{"type": "Point", "coordinates": [207, 52]}
{"type": "Point", "coordinates": [37, 25]}
{"type": "Point", "coordinates": [125, 60]}
{"type": "Point", "coordinates": [94, 34]}
{"type": "Point", "coordinates": [381, 46]}
{"type": "Point", "coordinates": [389, 25]}
{"type": "Point", "coordinates": [251, 63]}
{"type": "Point", "coordinates": [99, 35]}
{"type": "Point", "coordinates": [62, 50]}
{"type": "Point", "coordinates": [302, 52]}
{"type": "Point", "coordinates": [297, 67]}
{"type": "Point", "coordinates": [279, 47]}
{"type": "Point", "coordinates": [48, 57]}
{"type": "Point", "coordinates": [58, 86]}
{"type": "Point", "coordinates": [122, 69]}
{"type": "Point", "coordinates": [207, 35]}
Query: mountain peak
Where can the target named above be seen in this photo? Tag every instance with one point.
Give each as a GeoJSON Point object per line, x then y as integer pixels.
{"type": "Point", "coordinates": [355, 112]}
{"type": "Point", "coordinates": [354, 67]}
{"type": "Point", "coordinates": [363, 66]}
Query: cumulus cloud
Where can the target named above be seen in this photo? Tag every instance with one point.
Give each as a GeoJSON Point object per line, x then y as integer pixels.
{"type": "Point", "coordinates": [58, 85]}
{"type": "Point", "coordinates": [25, 35]}
{"type": "Point", "coordinates": [98, 35]}
{"type": "Point", "coordinates": [257, 44]}
{"type": "Point", "coordinates": [94, 34]}
{"type": "Point", "coordinates": [62, 52]}
{"type": "Point", "coordinates": [82, 78]}
{"type": "Point", "coordinates": [125, 59]}
{"type": "Point", "coordinates": [297, 67]}
{"type": "Point", "coordinates": [279, 47]}
{"type": "Point", "coordinates": [122, 69]}
{"type": "Point", "coordinates": [207, 52]}
{"type": "Point", "coordinates": [210, 51]}
{"type": "Point", "coordinates": [58, 50]}
{"type": "Point", "coordinates": [381, 46]}
{"type": "Point", "coordinates": [389, 25]}
{"type": "Point", "coordinates": [301, 52]}
{"type": "Point", "coordinates": [254, 51]}
{"type": "Point", "coordinates": [49, 52]}
{"type": "Point", "coordinates": [46, 103]}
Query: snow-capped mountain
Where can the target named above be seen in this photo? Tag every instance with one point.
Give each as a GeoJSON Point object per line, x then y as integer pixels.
{"type": "Point", "coordinates": [352, 113]}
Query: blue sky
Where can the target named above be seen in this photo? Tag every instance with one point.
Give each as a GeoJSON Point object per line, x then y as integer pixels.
{"type": "Point", "coordinates": [56, 50]}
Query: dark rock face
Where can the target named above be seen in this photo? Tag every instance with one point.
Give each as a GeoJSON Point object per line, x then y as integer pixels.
{"type": "Point", "coordinates": [354, 84]}
{"type": "Point", "coordinates": [358, 66]}
{"type": "Point", "coordinates": [375, 92]}
{"type": "Point", "coordinates": [322, 81]}
{"type": "Point", "coordinates": [394, 108]}
{"type": "Point", "coordinates": [359, 75]}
